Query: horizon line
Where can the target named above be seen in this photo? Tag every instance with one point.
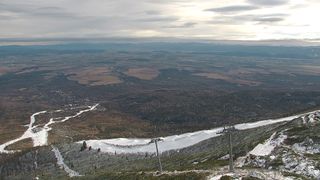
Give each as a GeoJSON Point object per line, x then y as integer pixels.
{"type": "Point", "coordinates": [68, 40]}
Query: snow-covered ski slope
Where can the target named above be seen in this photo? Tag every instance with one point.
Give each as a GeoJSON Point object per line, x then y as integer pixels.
{"type": "Point", "coordinates": [175, 142]}
{"type": "Point", "coordinates": [266, 148]}
{"type": "Point", "coordinates": [62, 165]}
{"type": "Point", "coordinates": [38, 134]}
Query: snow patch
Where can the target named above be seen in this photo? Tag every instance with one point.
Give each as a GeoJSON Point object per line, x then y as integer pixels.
{"type": "Point", "coordinates": [311, 118]}
{"type": "Point", "coordinates": [39, 135]}
{"type": "Point", "coordinates": [176, 142]}
{"type": "Point", "coordinates": [306, 147]}
{"type": "Point", "coordinates": [268, 146]}
{"type": "Point", "coordinates": [225, 157]}
{"type": "Point", "coordinates": [27, 134]}
{"type": "Point", "coordinates": [123, 145]}
{"type": "Point", "coordinates": [296, 163]}
{"type": "Point", "coordinates": [217, 177]}
{"type": "Point", "coordinates": [62, 165]}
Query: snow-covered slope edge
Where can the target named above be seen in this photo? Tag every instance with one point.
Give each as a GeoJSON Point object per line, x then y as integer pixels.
{"type": "Point", "coordinates": [39, 135]}
{"type": "Point", "coordinates": [62, 165]}
{"type": "Point", "coordinates": [135, 145]}
{"type": "Point", "coordinates": [294, 151]}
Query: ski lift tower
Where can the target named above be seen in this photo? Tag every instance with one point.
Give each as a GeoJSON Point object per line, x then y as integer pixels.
{"type": "Point", "coordinates": [228, 131]}
{"type": "Point", "coordinates": [155, 141]}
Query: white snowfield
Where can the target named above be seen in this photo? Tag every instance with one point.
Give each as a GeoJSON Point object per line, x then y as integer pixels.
{"type": "Point", "coordinates": [268, 146]}
{"type": "Point", "coordinates": [175, 142]}
{"type": "Point", "coordinates": [39, 135]}
{"type": "Point", "coordinates": [62, 165]}
{"type": "Point", "coordinates": [311, 118]}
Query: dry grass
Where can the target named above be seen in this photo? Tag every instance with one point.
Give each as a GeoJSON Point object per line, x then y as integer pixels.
{"type": "Point", "coordinates": [308, 70]}
{"type": "Point", "coordinates": [4, 70]}
{"type": "Point", "coordinates": [247, 72]}
{"type": "Point", "coordinates": [104, 125]}
{"type": "Point", "coordinates": [93, 76]}
{"type": "Point", "coordinates": [11, 131]}
{"type": "Point", "coordinates": [21, 145]}
{"type": "Point", "coordinates": [143, 73]}
{"type": "Point", "coordinates": [213, 75]}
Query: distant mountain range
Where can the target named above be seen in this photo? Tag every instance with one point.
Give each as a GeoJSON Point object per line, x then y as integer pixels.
{"type": "Point", "coordinates": [218, 48]}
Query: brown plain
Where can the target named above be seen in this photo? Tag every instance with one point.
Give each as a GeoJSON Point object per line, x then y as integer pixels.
{"type": "Point", "coordinates": [4, 70]}
{"type": "Point", "coordinates": [143, 73]}
{"type": "Point", "coordinates": [213, 75]}
{"type": "Point", "coordinates": [94, 76]}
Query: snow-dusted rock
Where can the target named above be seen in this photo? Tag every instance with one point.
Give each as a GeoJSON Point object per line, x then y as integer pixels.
{"type": "Point", "coordinates": [307, 146]}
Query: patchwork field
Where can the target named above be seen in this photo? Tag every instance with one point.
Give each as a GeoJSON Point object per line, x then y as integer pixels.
{"type": "Point", "coordinates": [93, 76]}
{"type": "Point", "coordinates": [148, 93]}
{"type": "Point", "coordinates": [143, 73]}
{"type": "Point", "coordinates": [212, 75]}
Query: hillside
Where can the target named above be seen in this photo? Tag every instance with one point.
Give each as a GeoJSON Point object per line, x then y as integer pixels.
{"type": "Point", "coordinates": [287, 147]}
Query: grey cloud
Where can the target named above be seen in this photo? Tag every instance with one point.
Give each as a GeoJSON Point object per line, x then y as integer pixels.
{"type": "Point", "coordinates": [82, 18]}
{"type": "Point", "coordinates": [52, 12]}
{"type": "Point", "coordinates": [24, 10]}
{"type": "Point", "coordinates": [184, 25]}
{"type": "Point", "coordinates": [49, 12]}
{"type": "Point", "coordinates": [152, 12]}
{"type": "Point", "coordinates": [259, 19]}
{"type": "Point", "coordinates": [237, 8]}
{"type": "Point", "coordinates": [53, 20]}
{"type": "Point", "coordinates": [6, 17]}
{"type": "Point", "coordinates": [264, 18]}
{"type": "Point", "coordinates": [268, 19]}
{"type": "Point", "coordinates": [159, 19]}
{"type": "Point", "coordinates": [268, 2]}
{"type": "Point", "coordinates": [189, 24]}
{"type": "Point", "coordinates": [14, 8]}
{"type": "Point", "coordinates": [165, 1]}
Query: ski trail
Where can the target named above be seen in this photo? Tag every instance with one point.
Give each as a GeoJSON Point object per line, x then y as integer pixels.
{"type": "Point", "coordinates": [27, 134]}
{"type": "Point", "coordinates": [175, 142]}
{"type": "Point", "coordinates": [62, 165]}
{"type": "Point", "coordinates": [39, 135]}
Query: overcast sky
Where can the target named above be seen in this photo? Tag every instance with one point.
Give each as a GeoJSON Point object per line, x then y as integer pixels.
{"type": "Point", "coordinates": [206, 19]}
